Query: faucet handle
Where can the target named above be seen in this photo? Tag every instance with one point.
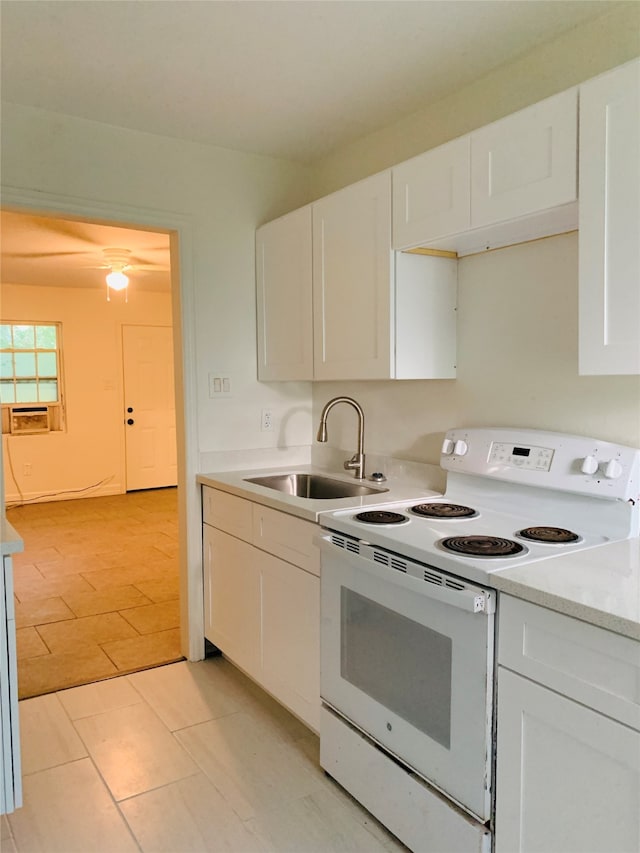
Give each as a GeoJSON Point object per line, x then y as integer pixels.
{"type": "Point", "coordinates": [356, 463]}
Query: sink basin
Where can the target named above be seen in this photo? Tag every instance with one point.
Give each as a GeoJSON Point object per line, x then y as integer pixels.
{"type": "Point", "coordinates": [313, 486]}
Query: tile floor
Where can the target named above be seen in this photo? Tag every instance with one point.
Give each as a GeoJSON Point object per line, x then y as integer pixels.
{"type": "Point", "coordinates": [96, 588]}
{"type": "Point", "coordinates": [183, 757]}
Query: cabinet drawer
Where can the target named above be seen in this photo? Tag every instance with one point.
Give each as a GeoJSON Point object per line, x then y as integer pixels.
{"type": "Point", "coordinates": [596, 667]}
{"type": "Point", "coordinates": [227, 512]}
{"type": "Point", "coordinates": [287, 537]}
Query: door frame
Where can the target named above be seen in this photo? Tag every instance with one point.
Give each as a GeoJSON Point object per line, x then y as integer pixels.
{"type": "Point", "coordinates": [180, 228]}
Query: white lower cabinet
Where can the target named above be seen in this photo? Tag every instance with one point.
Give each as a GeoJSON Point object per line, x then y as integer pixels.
{"type": "Point", "coordinates": [263, 611]}
{"type": "Point", "coordinates": [568, 738]}
{"type": "Point", "coordinates": [291, 636]}
{"type": "Point", "coordinates": [232, 598]}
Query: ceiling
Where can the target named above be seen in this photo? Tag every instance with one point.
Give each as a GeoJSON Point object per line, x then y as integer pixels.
{"type": "Point", "coordinates": [289, 78]}
{"type": "Point", "coordinates": [50, 252]}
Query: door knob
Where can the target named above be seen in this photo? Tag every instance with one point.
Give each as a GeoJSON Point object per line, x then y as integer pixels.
{"type": "Point", "coordinates": [130, 421]}
{"type": "Point", "coordinates": [129, 409]}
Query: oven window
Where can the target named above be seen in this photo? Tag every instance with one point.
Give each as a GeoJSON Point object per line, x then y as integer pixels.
{"type": "Point", "coordinates": [399, 663]}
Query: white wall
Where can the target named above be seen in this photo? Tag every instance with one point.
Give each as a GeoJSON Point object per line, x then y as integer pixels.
{"type": "Point", "coordinates": [91, 448]}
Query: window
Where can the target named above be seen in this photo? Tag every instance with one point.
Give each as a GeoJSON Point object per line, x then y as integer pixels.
{"type": "Point", "coordinates": [30, 369]}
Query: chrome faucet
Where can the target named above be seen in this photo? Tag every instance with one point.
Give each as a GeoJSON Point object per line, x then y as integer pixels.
{"type": "Point", "coordinates": [356, 463]}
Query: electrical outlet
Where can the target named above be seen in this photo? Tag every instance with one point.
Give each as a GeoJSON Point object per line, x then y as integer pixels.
{"type": "Point", "coordinates": [266, 420]}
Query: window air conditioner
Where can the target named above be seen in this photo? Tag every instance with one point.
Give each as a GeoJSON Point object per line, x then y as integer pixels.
{"type": "Point", "coordinates": [29, 419]}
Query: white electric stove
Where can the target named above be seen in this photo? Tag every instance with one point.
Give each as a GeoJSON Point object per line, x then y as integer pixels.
{"type": "Point", "coordinates": [408, 619]}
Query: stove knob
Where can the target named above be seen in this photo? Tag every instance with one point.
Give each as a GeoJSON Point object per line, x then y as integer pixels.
{"type": "Point", "coordinates": [460, 447]}
{"type": "Point", "coordinates": [612, 469]}
{"type": "Point", "coordinates": [447, 447]}
{"type": "Point", "coordinates": [589, 465]}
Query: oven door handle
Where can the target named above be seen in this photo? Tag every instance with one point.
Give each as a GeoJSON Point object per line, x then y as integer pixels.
{"type": "Point", "coordinates": [424, 580]}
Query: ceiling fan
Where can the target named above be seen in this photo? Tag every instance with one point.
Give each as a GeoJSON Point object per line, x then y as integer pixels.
{"type": "Point", "coordinates": [119, 262]}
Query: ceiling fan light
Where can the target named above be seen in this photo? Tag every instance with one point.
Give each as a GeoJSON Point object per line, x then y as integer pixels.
{"type": "Point", "coordinates": [117, 280]}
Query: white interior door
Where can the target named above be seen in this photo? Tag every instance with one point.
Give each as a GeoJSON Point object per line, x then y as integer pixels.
{"type": "Point", "coordinates": [149, 403]}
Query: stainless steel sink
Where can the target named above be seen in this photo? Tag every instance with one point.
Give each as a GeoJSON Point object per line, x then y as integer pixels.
{"type": "Point", "coordinates": [313, 486]}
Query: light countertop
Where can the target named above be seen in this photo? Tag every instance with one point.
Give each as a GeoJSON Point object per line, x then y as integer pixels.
{"type": "Point", "coordinates": [599, 585]}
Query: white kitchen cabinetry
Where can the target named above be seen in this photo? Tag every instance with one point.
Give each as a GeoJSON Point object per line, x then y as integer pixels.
{"type": "Point", "coordinates": [284, 302]}
{"type": "Point", "coordinates": [10, 773]}
{"type": "Point", "coordinates": [431, 194]}
{"type": "Point", "coordinates": [291, 636]}
{"type": "Point", "coordinates": [232, 598]}
{"type": "Point", "coordinates": [526, 162]}
{"type": "Point", "coordinates": [609, 245]}
{"type": "Point", "coordinates": [513, 180]}
{"type": "Point", "coordinates": [262, 597]}
{"type": "Point", "coordinates": [352, 281]}
{"type": "Point", "coordinates": [376, 314]}
{"type": "Point", "coordinates": [568, 735]}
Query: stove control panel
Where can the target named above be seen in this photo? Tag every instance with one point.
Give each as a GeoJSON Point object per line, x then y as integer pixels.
{"type": "Point", "coordinates": [521, 456]}
{"type": "Point", "coordinates": [570, 463]}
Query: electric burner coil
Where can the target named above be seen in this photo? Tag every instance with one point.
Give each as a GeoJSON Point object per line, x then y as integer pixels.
{"type": "Point", "coordinates": [443, 510]}
{"type": "Point", "coordinates": [381, 516]}
{"type": "Point", "coordinates": [554, 535]}
{"type": "Point", "coordinates": [482, 546]}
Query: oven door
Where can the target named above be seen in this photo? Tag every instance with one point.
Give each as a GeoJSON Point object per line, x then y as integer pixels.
{"type": "Point", "coordinates": [407, 657]}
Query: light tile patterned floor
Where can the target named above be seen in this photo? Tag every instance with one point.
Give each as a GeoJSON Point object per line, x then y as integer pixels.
{"type": "Point", "coordinates": [96, 588]}
{"type": "Point", "coordinates": [184, 757]}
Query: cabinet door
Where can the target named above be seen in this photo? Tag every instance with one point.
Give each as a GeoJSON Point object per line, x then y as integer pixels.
{"type": "Point", "coordinates": [352, 282]}
{"type": "Point", "coordinates": [284, 303]}
{"type": "Point", "coordinates": [567, 778]}
{"type": "Point", "coordinates": [431, 195]}
{"type": "Point", "coordinates": [291, 637]}
{"type": "Point", "coordinates": [232, 598]}
{"type": "Point", "coordinates": [526, 162]}
{"type": "Point", "coordinates": [609, 247]}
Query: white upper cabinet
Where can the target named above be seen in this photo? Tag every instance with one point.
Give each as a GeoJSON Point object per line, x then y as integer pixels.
{"type": "Point", "coordinates": [511, 181]}
{"type": "Point", "coordinates": [352, 269]}
{"type": "Point", "coordinates": [609, 244]}
{"type": "Point", "coordinates": [526, 162]}
{"type": "Point", "coordinates": [284, 304]}
{"type": "Point", "coordinates": [431, 196]}
{"type": "Point", "coordinates": [376, 314]}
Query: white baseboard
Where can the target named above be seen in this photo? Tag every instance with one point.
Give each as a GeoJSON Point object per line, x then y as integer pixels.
{"type": "Point", "coordinates": [62, 495]}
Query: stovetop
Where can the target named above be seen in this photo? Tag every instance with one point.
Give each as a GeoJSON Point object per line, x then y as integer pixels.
{"type": "Point", "coordinates": [518, 480]}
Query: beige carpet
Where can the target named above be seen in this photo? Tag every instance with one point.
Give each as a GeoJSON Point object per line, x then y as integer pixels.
{"type": "Point", "coordinates": [96, 588]}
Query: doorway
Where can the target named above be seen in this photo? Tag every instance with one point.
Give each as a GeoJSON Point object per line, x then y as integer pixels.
{"type": "Point", "coordinates": [89, 595]}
